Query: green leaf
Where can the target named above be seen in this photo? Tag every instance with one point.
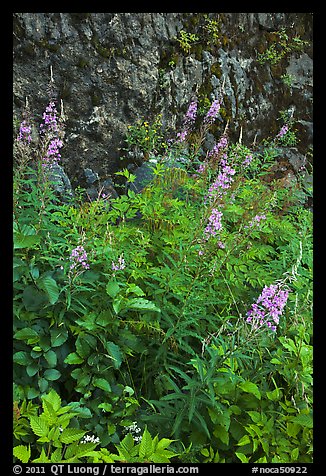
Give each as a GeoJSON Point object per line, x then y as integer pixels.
{"type": "Point", "coordinates": [22, 358]}
{"type": "Point", "coordinates": [34, 299]}
{"type": "Point", "coordinates": [115, 353]}
{"type": "Point", "coordinates": [32, 369]}
{"type": "Point", "coordinates": [102, 384]}
{"type": "Point", "coordinates": [141, 304]}
{"type": "Point", "coordinates": [54, 399]}
{"type": "Point", "coordinates": [42, 458]}
{"type": "Point", "coordinates": [303, 420]}
{"type": "Point", "coordinates": [69, 435]}
{"type": "Point", "coordinates": [58, 337]}
{"type": "Point", "coordinates": [243, 458]}
{"type": "Point", "coordinates": [27, 334]}
{"type": "Point", "coordinates": [26, 237]}
{"type": "Point", "coordinates": [43, 384]}
{"type": "Point", "coordinates": [250, 388]}
{"type": "Point", "coordinates": [112, 288]}
{"type": "Point", "coordinates": [52, 374]}
{"type": "Point", "coordinates": [22, 453]}
{"type": "Point", "coordinates": [39, 425]}
{"type": "Point", "coordinates": [73, 358]}
{"type": "Point", "coordinates": [146, 445]}
{"type": "Point", "coordinates": [49, 285]}
{"type": "Point", "coordinates": [51, 358]}
{"type": "Point", "coordinates": [126, 446]}
{"type": "Point", "coordinates": [245, 440]}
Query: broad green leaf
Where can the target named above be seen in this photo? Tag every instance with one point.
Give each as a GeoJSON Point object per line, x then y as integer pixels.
{"type": "Point", "coordinates": [243, 458]}
{"type": "Point", "coordinates": [250, 388]}
{"type": "Point", "coordinates": [73, 358]}
{"type": "Point", "coordinates": [49, 285]}
{"type": "Point", "coordinates": [26, 237]}
{"type": "Point", "coordinates": [114, 353]}
{"type": "Point", "coordinates": [303, 420]}
{"type": "Point", "coordinates": [245, 440]}
{"type": "Point", "coordinates": [22, 358]}
{"type": "Point", "coordinates": [51, 358]}
{"type": "Point", "coordinates": [102, 384]}
{"type": "Point", "coordinates": [112, 288]}
{"type": "Point", "coordinates": [34, 299]}
{"type": "Point", "coordinates": [43, 384]}
{"type": "Point", "coordinates": [23, 453]}
{"type": "Point", "coordinates": [52, 374]}
{"type": "Point", "coordinates": [27, 334]}
{"type": "Point", "coordinates": [58, 336]}
{"type": "Point", "coordinates": [32, 369]}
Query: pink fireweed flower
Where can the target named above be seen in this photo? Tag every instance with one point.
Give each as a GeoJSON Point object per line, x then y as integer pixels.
{"type": "Point", "coordinates": [121, 264]}
{"type": "Point", "coordinates": [52, 154]}
{"type": "Point", "coordinates": [247, 161]}
{"type": "Point", "coordinates": [221, 145]}
{"type": "Point", "coordinates": [256, 220]}
{"type": "Point", "coordinates": [50, 119]}
{"type": "Point", "coordinates": [78, 258]}
{"type": "Point", "coordinates": [222, 182]}
{"type": "Point", "coordinates": [212, 113]}
{"type": "Point", "coordinates": [24, 134]}
{"type": "Point", "coordinates": [268, 308]}
{"type": "Point", "coordinates": [188, 121]}
{"type": "Point", "coordinates": [283, 131]}
{"type": "Point", "coordinates": [214, 223]}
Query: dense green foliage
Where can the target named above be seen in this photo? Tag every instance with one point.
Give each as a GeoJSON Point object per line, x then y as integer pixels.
{"type": "Point", "coordinates": [150, 327]}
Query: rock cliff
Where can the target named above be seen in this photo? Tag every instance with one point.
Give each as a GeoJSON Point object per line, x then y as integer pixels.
{"type": "Point", "coordinates": [112, 69]}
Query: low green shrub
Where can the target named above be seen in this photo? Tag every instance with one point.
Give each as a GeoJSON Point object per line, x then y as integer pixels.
{"type": "Point", "coordinates": [145, 308]}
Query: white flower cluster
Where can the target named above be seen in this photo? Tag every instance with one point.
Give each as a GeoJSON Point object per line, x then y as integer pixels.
{"type": "Point", "coordinates": [90, 439]}
{"type": "Point", "coordinates": [134, 430]}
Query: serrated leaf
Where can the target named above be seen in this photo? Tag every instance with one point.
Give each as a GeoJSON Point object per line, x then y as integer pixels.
{"type": "Point", "coordinates": [77, 450]}
{"type": "Point", "coordinates": [141, 304]}
{"type": "Point", "coordinates": [146, 445]}
{"type": "Point", "coordinates": [126, 446]}
{"type": "Point", "coordinates": [23, 453]}
{"type": "Point", "coordinates": [56, 456]}
{"type": "Point", "coordinates": [54, 399]}
{"type": "Point", "coordinates": [39, 426]}
{"type": "Point", "coordinates": [42, 458]}
{"type": "Point", "coordinates": [69, 435]}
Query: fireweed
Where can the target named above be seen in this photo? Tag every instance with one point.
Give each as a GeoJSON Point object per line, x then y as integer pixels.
{"type": "Point", "coordinates": [24, 134]}
{"type": "Point", "coordinates": [78, 259]}
{"type": "Point", "coordinates": [188, 121]}
{"type": "Point", "coordinates": [266, 311]}
{"type": "Point", "coordinates": [52, 132]}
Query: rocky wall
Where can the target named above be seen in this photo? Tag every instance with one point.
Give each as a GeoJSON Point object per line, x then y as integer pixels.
{"type": "Point", "coordinates": [112, 69]}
